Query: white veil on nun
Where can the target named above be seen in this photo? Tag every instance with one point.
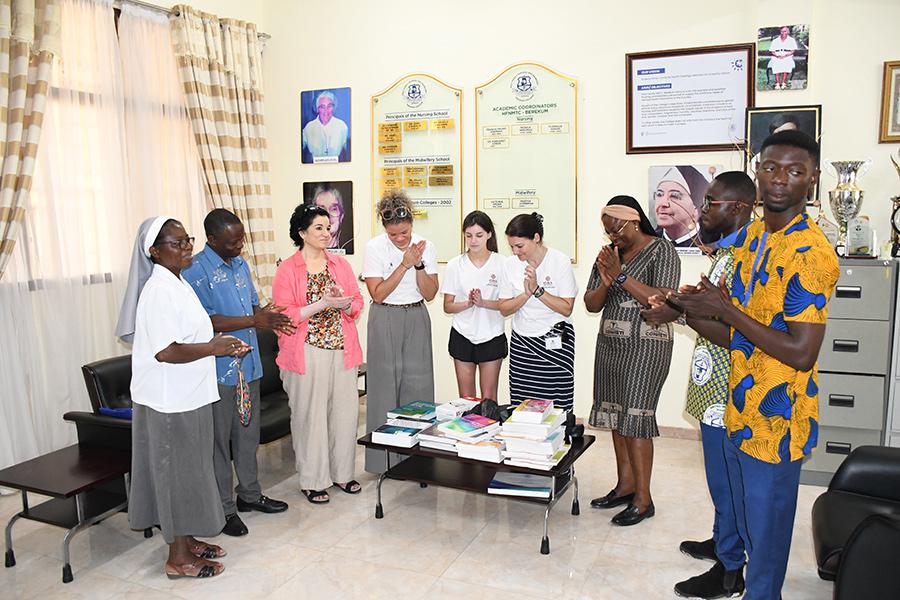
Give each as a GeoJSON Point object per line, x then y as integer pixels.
{"type": "Point", "coordinates": [138, 274]}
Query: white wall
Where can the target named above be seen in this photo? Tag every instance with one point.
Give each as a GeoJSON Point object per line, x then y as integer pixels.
{"type": "Point", "coordinates": [368, 45]}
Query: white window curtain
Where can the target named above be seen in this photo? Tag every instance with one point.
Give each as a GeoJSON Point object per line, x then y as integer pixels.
{"type": "Point", "coordinates": [117, 147]}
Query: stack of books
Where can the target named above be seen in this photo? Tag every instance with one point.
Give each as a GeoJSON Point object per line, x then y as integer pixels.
{"type": "Point", "coordinates": [404, 424]}
{"type": "Point", "coordinates": [415, 411]}
{"type": "Point", "coordinates": [436, 439]}
{"type": "Point", "coordinates": [392, 434]}
{"type": "Point", "coordinates": [456, 408]}
{"type": "Point", "coordinates": [468, 427]}
{"type": "Point", "coordinates": [486, 450]}
{"type": "Point", "coordinates": [520, 484]}
{"type": "Point", "coordinates": [533, 435]}
{"type": "Point", "coordinates": [531, 411]}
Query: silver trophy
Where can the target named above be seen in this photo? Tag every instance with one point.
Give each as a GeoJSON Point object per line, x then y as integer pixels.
{"type": "Point", "coordinates": [846, 199]}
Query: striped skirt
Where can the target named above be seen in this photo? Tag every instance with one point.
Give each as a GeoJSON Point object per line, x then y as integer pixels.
{"type": "Point", "coordinates": [541, 374]}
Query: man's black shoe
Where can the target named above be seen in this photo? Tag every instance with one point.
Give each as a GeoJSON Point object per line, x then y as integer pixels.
{"type": "Point", "coordinates": [715, 583]}
{"type": "Point", "coordinates": [705, 550]}
{"type": "Point", "coordinates": [234, 526]}
{"type": "Point", "coordinates": [264, 504]}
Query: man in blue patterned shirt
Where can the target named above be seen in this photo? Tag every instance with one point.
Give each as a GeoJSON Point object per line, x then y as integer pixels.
{"type": "Point", "coordinates": [222, 281]}
{"type": "Point", "coordinates": [726, 209]}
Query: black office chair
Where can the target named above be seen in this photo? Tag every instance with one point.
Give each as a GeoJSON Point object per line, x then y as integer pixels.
{"type": "Point", "coordinates": [867, 483]}
{"type": "Point", "coordinates": [108, 383]}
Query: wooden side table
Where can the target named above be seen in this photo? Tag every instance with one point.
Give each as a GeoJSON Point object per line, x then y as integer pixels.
{"type": "Point", "coordinates": [70, 476]}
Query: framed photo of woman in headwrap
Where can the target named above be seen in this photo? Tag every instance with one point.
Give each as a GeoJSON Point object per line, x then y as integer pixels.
{"type": "Point", "coordinates": [676, 199]}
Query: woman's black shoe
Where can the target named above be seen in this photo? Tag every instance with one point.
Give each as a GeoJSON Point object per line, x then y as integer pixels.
{"type": "Point", "coordinates": [633, 515]}
{"type": "Point", "coordinates": [611, 500]}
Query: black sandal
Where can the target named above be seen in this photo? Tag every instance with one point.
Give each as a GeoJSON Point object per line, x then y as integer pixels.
{"type": "Point", "coordinates": [348, 488]}
{"type": "Point", "coordinates": [315, 496]}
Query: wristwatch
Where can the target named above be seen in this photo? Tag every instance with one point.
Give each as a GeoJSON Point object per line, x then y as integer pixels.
{"type": "Point", "coordinates": [620, 278]}
{"type": "Point", "coordinates": [419, 266]}
{"type": "Point", "coordinates": [538, 292]}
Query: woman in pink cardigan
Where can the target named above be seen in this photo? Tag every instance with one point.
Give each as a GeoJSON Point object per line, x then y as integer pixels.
{"type": "Point", "coordinates": [318, 362]}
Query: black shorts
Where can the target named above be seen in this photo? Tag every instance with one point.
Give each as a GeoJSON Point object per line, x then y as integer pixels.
{"type": "Point", "coordinates": [463, 350]}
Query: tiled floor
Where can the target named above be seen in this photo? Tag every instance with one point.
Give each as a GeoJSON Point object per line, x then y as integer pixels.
{"type": "Point", "coordinates": [433, 543]}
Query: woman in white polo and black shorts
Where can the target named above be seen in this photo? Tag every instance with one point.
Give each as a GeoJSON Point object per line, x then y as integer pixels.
{"type": "Point", "coordinates": [471, 291]}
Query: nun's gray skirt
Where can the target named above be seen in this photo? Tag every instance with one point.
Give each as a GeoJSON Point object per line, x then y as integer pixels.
{"type": "Point", "coordinates": [173, 484]}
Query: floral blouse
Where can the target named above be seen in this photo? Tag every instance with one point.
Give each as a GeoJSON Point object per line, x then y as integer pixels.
{"type": "Point", "coordinates": [324, 330]}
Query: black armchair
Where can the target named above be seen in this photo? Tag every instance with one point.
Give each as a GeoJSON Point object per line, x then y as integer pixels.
{"type": "Point", "coordinates": [867, 483]}
{"type": "Point", "coordinates": [108, 383]}
{"type": "Point", "coordinates": [868, 569]}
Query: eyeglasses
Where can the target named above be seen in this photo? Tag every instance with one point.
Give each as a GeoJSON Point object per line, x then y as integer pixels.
{"type": "Point", "coordinates": [396, 214]}
{"type": "Point", "coordinates": [182, 244]}
{"type": "Point", "coordinates": [617, 232]}
{"type": "Point", "coordinates": [710, 201]}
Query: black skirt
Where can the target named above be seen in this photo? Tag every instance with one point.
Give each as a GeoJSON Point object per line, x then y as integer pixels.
{"type": "Point", "coordinates": [463, 350]}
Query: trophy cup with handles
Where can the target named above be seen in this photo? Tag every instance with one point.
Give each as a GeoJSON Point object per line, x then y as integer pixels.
{"type": "Point", "coordinates": [846, 198]}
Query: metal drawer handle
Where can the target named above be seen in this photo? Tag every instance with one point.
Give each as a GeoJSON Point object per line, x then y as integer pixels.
{"type": "Point", "coordinates": [848, 291]}
{"type": "Point", "coordinates": [837, 448]}
{"type": "Point", "coordinates": [845, 346]}
{"type": "Point", "coordinates": [843, 400]}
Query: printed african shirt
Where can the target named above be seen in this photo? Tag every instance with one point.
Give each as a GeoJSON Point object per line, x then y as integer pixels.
{"type": "Point", "coordinates": [779, 278]}
{"type": "Point", "coordinates": [707, 392]}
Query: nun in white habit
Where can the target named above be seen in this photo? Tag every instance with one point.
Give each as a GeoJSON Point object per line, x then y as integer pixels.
{"type": "Point", "coordinates": [173, 385]}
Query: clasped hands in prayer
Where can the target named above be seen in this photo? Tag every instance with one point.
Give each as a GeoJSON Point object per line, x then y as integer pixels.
{"type": "Point", "coordinates": [608, 264]}
{"type": "Point", "coordinates": [412, 256]}
{"type": "Point", "coordinates": [704, 300]}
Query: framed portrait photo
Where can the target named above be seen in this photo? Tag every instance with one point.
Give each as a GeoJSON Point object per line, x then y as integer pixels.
{"type": "Point", "coordinates": [676, 197]}
{"type": "Point", "coordinates": [764, 121]}
{"type": "Point", "coordinates": [782, 58]}
{"type": "Point", "coordinates": [890, 104]}
{"type": "Point", "coordinates": [325, 125]}
{"type": "Point", "coordinates": [336, 197]}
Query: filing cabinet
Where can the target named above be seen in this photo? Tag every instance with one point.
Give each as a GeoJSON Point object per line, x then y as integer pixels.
{"type": "Point", "coordinates": [857, 368]}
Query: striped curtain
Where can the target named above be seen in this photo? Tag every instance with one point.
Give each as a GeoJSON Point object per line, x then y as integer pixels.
{"type": "Point", "coordinates": [220, 64]}
{"type": "Point", "coordinates": [29, 39]}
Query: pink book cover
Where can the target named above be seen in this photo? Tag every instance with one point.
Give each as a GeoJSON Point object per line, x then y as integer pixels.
{"type": "Point", "coordinates": [535, 405]}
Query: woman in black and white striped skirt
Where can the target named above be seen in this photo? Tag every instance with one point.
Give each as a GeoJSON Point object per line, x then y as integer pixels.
{"type": "Point", "coordinates": [539, 292]}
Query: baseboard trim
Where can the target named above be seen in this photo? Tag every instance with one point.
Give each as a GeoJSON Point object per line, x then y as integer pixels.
{"type": "Point", "coordinates": [680, 433]}
{"type": "Point", "coordinates": [675, 433]}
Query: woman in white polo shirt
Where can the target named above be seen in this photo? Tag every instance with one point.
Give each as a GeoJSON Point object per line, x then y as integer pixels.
{"type": "Point", "coordinates": [173, 386]}
{"type": "Point", "coordinates": [471, 291]}
{"type": "Point", "coordinates": [539, 291]}
{"type": "Point", "coordinates": [400, 269]}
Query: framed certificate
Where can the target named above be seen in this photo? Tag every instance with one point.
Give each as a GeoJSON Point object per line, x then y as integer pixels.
{"type": "Point", "coordinates": [526, 151]}
{"type": "Point", "coordinates": [417, 147]}
{"type": "Point", "coordinates": [688, 100]}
